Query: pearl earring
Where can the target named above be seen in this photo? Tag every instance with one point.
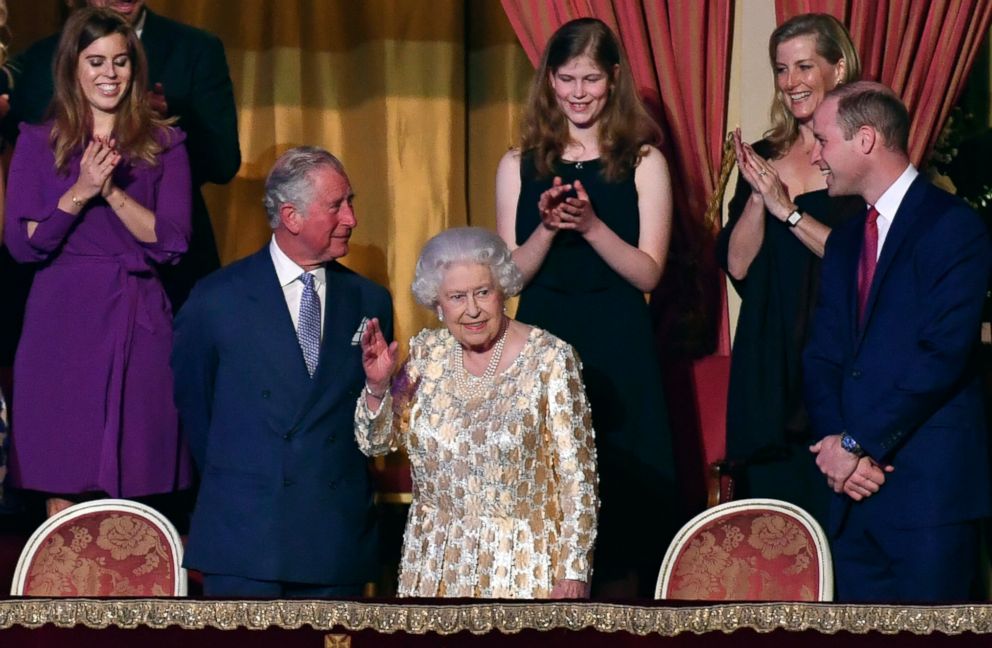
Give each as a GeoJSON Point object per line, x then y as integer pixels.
{"type": "Point", "coordinates": [440, 315]}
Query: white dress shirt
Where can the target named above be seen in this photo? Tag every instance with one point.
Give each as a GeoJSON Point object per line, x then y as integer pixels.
{"type": "Point", "coordinates": [289, 273]}
{"type": "Point", "coordinates": [888, 204]}
{"type": "Point", "coordinates": [139, 27]}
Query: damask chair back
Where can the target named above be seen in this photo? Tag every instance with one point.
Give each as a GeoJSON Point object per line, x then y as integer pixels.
{"type": "Point", "coordinates": [109, 547]}
{"type": "Point", "coordinates": [748, 550]}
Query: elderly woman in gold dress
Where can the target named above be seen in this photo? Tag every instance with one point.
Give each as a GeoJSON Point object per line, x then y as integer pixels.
{"type": "Point", "coordinates": [494, 417]}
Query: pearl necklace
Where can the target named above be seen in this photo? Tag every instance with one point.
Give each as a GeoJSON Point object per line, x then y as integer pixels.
{"type": "Point", "coordinates": [473, 386]}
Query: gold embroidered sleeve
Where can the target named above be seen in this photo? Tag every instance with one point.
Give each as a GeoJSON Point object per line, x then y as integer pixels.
{"type": "Point", "coordinates": [380, 432]}
{"type": "Point", "coordinates": [570, 424]}
{"type": "Point", "coordinates": [375, 432]}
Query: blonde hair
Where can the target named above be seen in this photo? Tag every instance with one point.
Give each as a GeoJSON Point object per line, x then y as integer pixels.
{"type": "Point", "coordinates": [135, 125]}
{"type": "Point", "coordinates": [833, 43]}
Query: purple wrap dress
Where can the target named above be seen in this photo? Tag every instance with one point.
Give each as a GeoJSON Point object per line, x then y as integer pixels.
{"type": "Point", "coordinates": [93, 408]}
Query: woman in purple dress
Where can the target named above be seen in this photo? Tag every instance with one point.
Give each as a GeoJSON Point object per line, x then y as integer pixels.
{"type": "Point", "coordinates": [100, 196]}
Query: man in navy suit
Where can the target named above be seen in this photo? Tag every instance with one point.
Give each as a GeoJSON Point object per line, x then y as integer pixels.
{"type": "Point", "coordinates": [890, 372]}
{"type": "Point", "coordinates": [268, 370]}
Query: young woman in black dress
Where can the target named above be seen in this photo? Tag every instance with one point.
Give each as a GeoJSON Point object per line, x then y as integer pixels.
{"type": "Point", "coordinates": [585, 205]}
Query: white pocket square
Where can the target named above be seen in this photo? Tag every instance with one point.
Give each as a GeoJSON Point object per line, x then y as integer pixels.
{"type": "Point", "coordinates": [356, 339]}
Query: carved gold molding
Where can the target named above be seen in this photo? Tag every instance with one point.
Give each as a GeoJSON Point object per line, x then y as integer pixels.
{"type": "Point", "coordinates": [507, 618]}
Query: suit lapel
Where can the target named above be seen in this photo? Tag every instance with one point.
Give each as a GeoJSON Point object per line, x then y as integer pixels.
{"type": "Point", "coordinates": [850, 281]}
{"type": "Point", "coordinates": [342, 316]}
{"type": "Point", "coordinates": [156, 47]}
{"type": "Point", "coordinates": [902, 223]}
{"type": "Point", "coordinates": [275, 339]}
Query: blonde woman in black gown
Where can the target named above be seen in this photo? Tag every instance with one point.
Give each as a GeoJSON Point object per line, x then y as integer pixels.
{"type": "Point", "coordinates": [779, 221]}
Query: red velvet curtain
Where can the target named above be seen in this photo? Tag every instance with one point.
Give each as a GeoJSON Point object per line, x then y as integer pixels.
{"type": "Point", "coordinates": [679, 52]}
{"type": "Point", "coordinates": [922, 49]}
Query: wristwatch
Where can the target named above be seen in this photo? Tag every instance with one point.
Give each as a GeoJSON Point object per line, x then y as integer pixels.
{"type": "Point", "coordinates": [794, 218]}
{"type": "Point", "coordinates": [848, 443]}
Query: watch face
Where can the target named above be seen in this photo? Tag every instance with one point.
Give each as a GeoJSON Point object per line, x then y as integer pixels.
{"type": "Point", "coordinates": [794, 218]}
{"type": "Point", "coordinates": [848, 443]}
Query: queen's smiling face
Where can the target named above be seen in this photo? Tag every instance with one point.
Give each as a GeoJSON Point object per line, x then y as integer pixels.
{"type": "Point", "coordinates": [472, 304]}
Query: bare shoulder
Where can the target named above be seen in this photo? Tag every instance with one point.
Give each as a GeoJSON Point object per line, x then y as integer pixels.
{"type": "Point", "coordinates": [652, 171]}
{"type": "Point", "coordinates": [652, 161]}
{"type": "Point", "coordinates": [509, 162]}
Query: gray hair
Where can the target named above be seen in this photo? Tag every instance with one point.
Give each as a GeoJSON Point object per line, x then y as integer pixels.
{"type": "Point", "coordinates": [289, 180]}
{"type": "Point", "coordinates": [464, 245]}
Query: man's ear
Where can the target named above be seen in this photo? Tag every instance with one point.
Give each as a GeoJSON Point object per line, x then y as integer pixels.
{"type": "Point", "coordinates": [289, 217]}
{"type": "Point", "coordinates": [868, 139]}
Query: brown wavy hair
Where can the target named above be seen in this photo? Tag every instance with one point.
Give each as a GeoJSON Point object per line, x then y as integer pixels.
{"type": "Point", "coordinates": [833, 43]}
{"type": "Point", "coordinates": [135, 124]}
{"type": "Point", "coordinates": [625, 126]}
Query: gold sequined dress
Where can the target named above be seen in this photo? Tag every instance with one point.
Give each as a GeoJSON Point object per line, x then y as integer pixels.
{"type": "Point", "coordinates": [504, 483]}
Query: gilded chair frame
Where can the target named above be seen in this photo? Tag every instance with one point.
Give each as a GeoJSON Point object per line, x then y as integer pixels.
{"type": "Point", "coordinates": [825, 583]}
{"type": "Point", "coordinates": [137, 509]}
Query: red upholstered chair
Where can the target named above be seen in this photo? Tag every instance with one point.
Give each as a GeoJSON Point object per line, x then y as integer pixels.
{"type": "Point", "coordinates": [748, 550]}
{"type": "Point", "coordinates": [109, 547]}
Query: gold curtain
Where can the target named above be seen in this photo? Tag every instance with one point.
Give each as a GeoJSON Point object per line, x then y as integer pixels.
{"type": "Point", "coordinates": [417, 97]}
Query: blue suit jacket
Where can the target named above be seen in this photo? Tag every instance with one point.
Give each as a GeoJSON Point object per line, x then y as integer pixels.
{"type": "Point", "coordinates": [285, 493]}
{"type": "Point", "coordinates": [904, 384]}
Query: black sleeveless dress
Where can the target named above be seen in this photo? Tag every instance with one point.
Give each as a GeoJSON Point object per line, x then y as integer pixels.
{"type": "Point", "coordinates": [768, 434]}
{"type": "Point", "coordinates": [576, 296]}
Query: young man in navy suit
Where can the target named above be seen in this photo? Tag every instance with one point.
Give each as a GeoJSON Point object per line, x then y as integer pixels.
{"type": "Point", "coordinates": [268, 370]}
{"type": "Point", "coordinates": [890, 373]}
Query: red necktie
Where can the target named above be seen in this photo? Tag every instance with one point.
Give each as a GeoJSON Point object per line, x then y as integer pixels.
{"type": "Point", "coordinates": [867, 261]}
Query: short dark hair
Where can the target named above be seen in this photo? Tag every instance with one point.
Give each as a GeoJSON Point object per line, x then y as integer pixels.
{"type": "Point", "coordinates": [866, 103]}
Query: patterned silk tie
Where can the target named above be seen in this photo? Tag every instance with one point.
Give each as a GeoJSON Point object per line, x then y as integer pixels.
{"type": "Point", "coordinates": [308, 329]}
{"type": "Point", "coordinates": [867, 261]}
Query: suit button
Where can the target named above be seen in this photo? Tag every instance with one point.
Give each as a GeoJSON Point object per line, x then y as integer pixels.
{"type": "Point", "coordinates": [856, 373]}
{"type": "Point", "coordinates": [331, 438]}
{"type": "Point", "coordinates": [266, 393]}
{"type": "Point", "coordinates": [287, 436]}
{"type": "Point", "coordinates": [332, 484]}
{"type": "Point", "coordinates": [287, 482]}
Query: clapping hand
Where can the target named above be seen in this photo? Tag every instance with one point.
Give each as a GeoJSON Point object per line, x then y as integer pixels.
{"type": "Point", "coordinates": [576, 213]}
{"type": "Point", "coordinates": [763, 178]}
{"type": "Point", "coordinates": [550, 200]}
{"type": "Point", "coordinates": [96, 168]}
{"type": "Point", "coordinates": [378, 357]}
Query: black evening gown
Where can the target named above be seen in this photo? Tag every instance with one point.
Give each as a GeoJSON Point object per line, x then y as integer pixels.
{"type": "Point", "coordinates": [768, 434]}
{"type": "Point", "coordinates": [576, 296]}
